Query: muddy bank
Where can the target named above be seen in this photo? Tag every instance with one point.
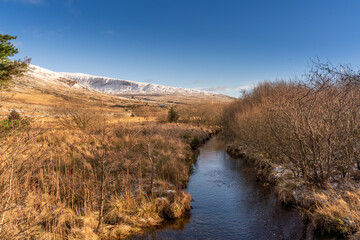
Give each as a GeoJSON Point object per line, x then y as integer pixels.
{"type": "Point", "coordinates": [332, 211]}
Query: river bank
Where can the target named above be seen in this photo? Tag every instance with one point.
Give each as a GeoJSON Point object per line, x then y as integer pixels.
{"type": "Point", "coordinates": [333, 210]}
{"type": "Point", "coordinates": [229, 204]}
{"type": "Point", "coordinates": [157, 202]}
{"type": "Point", "coordinates": [106, 180]}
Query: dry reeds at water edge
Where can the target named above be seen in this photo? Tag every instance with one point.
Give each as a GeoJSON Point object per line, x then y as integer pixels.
{"type": "Point", "coordinates": [309, 127]}
{"type": "Point", "coordinates": [98, 180]}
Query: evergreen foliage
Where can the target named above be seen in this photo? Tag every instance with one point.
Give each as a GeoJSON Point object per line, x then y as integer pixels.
{"type": "Point", "coordinates": [13, 121]}
{"type": "Point", "coordinates": [173, 115]}
{"type": "Point", "coordinates": [8, 67]}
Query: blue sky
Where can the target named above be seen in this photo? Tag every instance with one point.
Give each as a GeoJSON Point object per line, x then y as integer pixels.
{"type": "Point", "coordinates": [205, 44]}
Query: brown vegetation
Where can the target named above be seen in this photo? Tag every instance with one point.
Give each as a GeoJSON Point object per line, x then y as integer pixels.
{"type": "Point", "coordinates": [92, 176]}
{"type": "Point", "coordinates": [208, 114]}
{"type": "Point", "coordinates": [96, 166]}
{"type": "Point", "coordinates": [306, 133]}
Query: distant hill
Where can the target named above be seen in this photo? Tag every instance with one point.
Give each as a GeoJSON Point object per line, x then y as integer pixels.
{"type": "Point", "coordinates": [107, 85]}
{"type": "Point", "coordinates": [119, 86]}
{"type": "Point", "coordinates": [38, 76]}
{"type": "Point", "coordinates": [40, 92]}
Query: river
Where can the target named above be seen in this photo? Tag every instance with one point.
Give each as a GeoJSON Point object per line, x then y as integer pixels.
{"type": "Point", "coordinates": [229, 204]}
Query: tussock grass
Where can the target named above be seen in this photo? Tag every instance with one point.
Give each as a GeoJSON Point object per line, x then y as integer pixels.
{"type": "Point", "coordinates": [337, 212]}
{"type": "Point", "coordinates": [90, 165]}
{"type": "Point", "coordinates": [93, 177]}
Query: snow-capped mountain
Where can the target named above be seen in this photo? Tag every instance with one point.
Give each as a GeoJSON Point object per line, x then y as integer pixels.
{"type": "Point", "coordinates": [47, 77]}
{"type": "Point", "coordinates": [118, 86]}
{"type": "Point", "coordinates": [104, 84]}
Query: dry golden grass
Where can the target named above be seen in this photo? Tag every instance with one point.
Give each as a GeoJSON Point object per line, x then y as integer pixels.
{"type": "Point", "coordinates": [91, 165]}
{"type": "Point", "coordinates": [40, 98]}
{"type": "Point", "coordinates": [67, 175]}
{"type": "Point", "coordinates": [339, 212]}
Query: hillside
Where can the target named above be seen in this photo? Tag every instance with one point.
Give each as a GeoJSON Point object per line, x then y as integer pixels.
{"type": "Point", "coordinates": [118, 86]}
{"type": "Point", "coordinates": [40, 92]}
{"type": "Point", "coordinates": [93, 165]}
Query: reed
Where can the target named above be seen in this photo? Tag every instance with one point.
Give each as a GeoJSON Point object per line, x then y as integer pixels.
{"type": "Point", "coordinates": [91, 176]}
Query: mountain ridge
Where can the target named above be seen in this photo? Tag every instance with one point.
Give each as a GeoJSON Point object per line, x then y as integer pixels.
{"type": "Point", "coordinates": [121, 86]}
{"type": "Point", "coordinates": [106, 84]}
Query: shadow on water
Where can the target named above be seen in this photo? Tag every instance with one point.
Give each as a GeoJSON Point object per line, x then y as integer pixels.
{"type": "Point", "coordinates": [229, 204]}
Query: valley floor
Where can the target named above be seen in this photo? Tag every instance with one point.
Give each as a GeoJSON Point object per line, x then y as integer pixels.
{"type": "Point", "coordinates": [79, 164]}
{"type": "Point", "coordinates": [94, 177]}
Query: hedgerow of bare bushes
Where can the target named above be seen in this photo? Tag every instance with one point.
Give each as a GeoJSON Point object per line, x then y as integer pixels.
{"type": "Point", "coordinates": [312, 125]}
{"type": "Point", "coordinates": [309, 126]}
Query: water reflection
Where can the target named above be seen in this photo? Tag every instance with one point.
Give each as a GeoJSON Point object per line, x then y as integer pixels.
{"type": "Point", "coordinates": [230, 204]}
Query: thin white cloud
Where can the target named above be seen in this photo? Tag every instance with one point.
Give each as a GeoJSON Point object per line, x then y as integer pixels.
{"type": "Point", "coordinates": [216, 89]}
{"type": "Point", "coordinates": [32, 2]}
{"type": "Point", "coordinates": [109, 32]}
{"type": "Point", "coordinates": [247, 87]}
{"type": "Point", "coordinates": [43, 33]}
{"type": "Point", "coordinates": [227, 89]}
{"type": "Point", "coordinates": [69, 4]}
{"type": "Point", "coordinates": [17, 43]}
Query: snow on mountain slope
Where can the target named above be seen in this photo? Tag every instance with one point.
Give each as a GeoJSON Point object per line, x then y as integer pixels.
{"type": "Point", "coordinates": [118, 86]}
{"type": "Point", "coordinates": [45, 76]}
{"type": "Point", "coordinates": [104, 84]}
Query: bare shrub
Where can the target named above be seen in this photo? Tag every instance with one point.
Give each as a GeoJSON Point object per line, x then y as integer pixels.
{"type": "Point", "coordinates": [76, 116]}
{"type": "Point", "coordinates": [15, 171]}
{"type": "Point", "coordinates": [208, 114]}
{"type": "Point", "coordinates": [312, 124]}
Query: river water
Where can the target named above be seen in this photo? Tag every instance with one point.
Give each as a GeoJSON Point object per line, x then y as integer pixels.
{"type": "Point", "coordinates": [229, 204]}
